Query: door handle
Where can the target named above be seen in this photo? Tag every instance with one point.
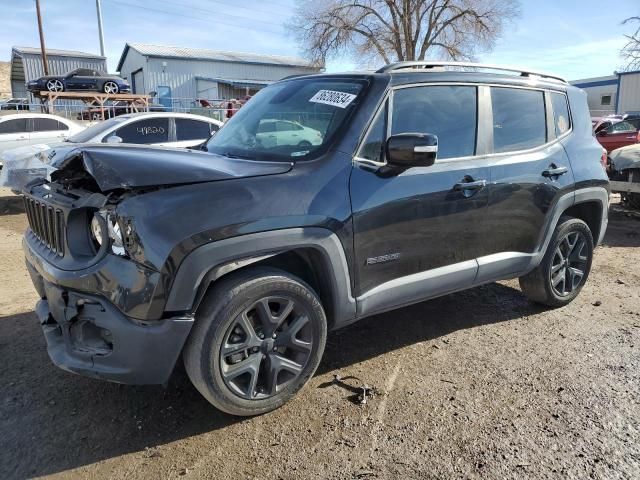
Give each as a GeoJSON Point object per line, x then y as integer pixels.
{"type": "Point", "coordinates": [474, 185]}
{"type": "Point", "coordinates": [554, 171]}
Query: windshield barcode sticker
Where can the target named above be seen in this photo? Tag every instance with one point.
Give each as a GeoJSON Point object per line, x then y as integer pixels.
{"type": "Point", "coordinates": [331, 97]}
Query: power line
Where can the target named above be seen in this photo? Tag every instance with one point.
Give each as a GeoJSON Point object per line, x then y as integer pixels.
{"type": "Point", "coordinates": [209, 22]}
{"type": "Point", "coordinates": [172, 2]}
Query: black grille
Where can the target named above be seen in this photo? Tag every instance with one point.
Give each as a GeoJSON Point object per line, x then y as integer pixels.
{"type": "Point", "coordinates": [47, 224]}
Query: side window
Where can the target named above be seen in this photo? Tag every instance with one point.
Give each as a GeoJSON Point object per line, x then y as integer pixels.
{"type": "Point", "coordinates": [561, 117]}
{"type": "Point", "coordinates": [46, 125]}
{"type": "Point", "coordinates": [151, 130]}
{"type": "Point", "coordinates": [286, 127]}
{"type": "Point", "coordinates": [266, 126]}
{"type": "Point", "coordinates": [62, 126]}
{"type": "Point", "coordinates": [18, 125]}
{"type": "Point", "coordinates": [373, 146]}
{"type": "Point", "coordinates": [519, 120]}
{"type": "Point", "coordinates": [188, 129]}
{"type": "Point", "coordinates": [450, 112]}
{"type": "Point", "coordinates": [623, 126]}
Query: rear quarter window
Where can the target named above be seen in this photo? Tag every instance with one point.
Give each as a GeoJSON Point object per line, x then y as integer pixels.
{"type": "Point", "coordinates": [561, 116]}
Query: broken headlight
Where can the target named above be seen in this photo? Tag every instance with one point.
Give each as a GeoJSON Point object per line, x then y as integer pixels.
{"type": "Point", "coordinates": [105, 227]}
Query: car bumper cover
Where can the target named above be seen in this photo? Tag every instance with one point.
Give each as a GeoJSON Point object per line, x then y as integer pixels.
{"type": "Point", "coordinates": [88, 335]}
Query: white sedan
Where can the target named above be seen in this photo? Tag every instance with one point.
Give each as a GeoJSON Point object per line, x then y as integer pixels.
{"type": "Point", "coordinates": [165, 129]}
{"type": "Point", "coordinates": [273, 132]}
{"type": "Point", "coordinates": [21, 129]}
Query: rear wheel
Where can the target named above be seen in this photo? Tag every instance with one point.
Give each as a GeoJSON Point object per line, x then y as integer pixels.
{"type": "Point", "coordinates": [565, 266]}
{"type": "Point", "coordinates": [258, 338]}
{"type": "Point", "coordinates": [110, 87]}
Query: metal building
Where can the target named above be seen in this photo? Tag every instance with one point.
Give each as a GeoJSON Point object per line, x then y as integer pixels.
{"type": "Point", "coordinates": [181, 76]}
{"type": "Point", "coordinates": [26, 64]}
{"type": "Point", "coordinates": [618, 93]}
{"type": "Point", "coordinates": [602, 93]}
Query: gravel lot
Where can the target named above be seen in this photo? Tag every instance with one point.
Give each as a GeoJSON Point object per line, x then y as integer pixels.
{"type": "Point", "coordinates": [478, 384]}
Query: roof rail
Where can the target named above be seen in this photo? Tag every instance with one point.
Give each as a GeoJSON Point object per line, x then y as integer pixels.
{"type": "Point", "coordinates": [416, 65]}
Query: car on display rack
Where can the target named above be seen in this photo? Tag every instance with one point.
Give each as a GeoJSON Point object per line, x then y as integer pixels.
{"type": "Point", "coordinates": [21, 129]}
{"type": "Point", "coordinates": [430, 178]}
{"type": "Point", "coordinates": [80, 79]}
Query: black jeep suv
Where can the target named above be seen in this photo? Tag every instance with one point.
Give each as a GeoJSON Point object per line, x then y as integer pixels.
{"type": "Point", "coordinates": [367, 192]}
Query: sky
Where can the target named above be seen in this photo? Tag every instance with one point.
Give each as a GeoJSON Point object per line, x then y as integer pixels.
{"type": "Point", "coordinates": [572, 38]}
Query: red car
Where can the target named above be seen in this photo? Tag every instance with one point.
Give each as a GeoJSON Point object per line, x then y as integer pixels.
{"type": "Point", "coordinates": [613, 133]}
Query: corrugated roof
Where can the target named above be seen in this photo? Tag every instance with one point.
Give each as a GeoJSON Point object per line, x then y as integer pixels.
{"type": "Point", "coordinates": [217, 55]}
{"type": "Point", "coordinates": [55, 53]}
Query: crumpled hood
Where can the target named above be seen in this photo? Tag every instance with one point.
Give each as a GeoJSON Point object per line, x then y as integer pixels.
{"type": "Point", "coordinates": [128, 166]}
{"type": "Point", "coordinates": [626, 157]}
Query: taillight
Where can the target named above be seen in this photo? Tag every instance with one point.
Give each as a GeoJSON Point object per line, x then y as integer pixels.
{"type": "Point", "coordinates": [638, 137]}
{"type": "Point", "coordinates": [603, 160]}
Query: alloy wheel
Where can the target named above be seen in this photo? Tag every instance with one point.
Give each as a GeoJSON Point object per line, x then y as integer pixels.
{"type": "Point", "coordinates": [266, 347]}
{"type": "Point", "coordinates": [569, 264]}
{"type": "Point", "coordinates": [111, 88]}
{"type": "Point", "coordinates": [55, 85]}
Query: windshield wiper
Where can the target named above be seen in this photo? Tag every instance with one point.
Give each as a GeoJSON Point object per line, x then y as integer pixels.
{"type": "Point", "coordinates": [233, 155]}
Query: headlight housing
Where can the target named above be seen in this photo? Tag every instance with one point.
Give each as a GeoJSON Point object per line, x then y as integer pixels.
{"type": "Point", "coordinates": [104, 227]}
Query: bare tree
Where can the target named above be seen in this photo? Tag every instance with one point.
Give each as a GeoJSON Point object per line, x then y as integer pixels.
{"type": "Point", "coordinates": [397, 30]}
{"type": "Point", "coordinates": [631, 51]}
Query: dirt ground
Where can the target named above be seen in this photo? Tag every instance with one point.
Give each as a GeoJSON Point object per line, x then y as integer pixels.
{"type": "Point", "coordinates": [478, 384]}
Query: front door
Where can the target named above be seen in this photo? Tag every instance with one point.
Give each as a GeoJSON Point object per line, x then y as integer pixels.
{"type": "Point", "coordinates": [417, 234]}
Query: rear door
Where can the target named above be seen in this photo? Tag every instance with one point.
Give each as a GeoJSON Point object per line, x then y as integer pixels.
{"type": "Point", "coordinates": [530, 170]}
{"type": "Point", "coordinates": [417, 233]}
{"type": "Point", "coordinates": [13, 133]}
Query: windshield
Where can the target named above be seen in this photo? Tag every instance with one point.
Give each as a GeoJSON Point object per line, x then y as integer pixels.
{"type": "Point", "coordinates": [288, 120]}
{"type": "Point", "coordinates": [89, 133]}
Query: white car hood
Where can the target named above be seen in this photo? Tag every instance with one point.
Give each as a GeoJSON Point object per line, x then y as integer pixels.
{"type": "Point", "coordinates": [23, 164]}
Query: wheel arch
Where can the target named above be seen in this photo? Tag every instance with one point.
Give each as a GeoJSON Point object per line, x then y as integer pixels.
{"type": "Point", "coordinates": [315, 255]}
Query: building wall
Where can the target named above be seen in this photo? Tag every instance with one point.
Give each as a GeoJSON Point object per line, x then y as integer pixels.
{"type": "Point", "coordinates": [596, 89]}
{"type": "Point", "coordinates": [133, 62]}
{"type": "Point", "coordinates": [629, 100]}
{"type": "Point", "coordinates": [180, 75]}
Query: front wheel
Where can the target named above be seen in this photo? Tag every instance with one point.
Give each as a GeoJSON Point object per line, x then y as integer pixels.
{"type": "Point", "coordinates": [565, 266]}
{"type": "Point", "coordinates": [258, 338]}
{"type": "Point", "coordinates": [55, 85]}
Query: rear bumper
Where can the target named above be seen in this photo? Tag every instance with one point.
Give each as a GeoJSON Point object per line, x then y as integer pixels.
{"type": "Point", "coordinates": [86, 334]}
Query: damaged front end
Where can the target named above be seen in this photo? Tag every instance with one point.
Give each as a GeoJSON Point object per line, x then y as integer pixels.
{"type": "Point", "coordinates": [101, 312]}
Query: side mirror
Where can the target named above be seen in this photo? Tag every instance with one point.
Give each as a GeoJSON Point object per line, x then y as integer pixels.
{"type": "Point", "coordinates": [407, 150]}
{"type": "Point", "coordinates": [601, 133]}
{"type": "Point", "coordinates": [114, 139]}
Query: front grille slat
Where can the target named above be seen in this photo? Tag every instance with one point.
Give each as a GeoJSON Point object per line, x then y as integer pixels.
{"type": "Point", "coordinates": [47, 224]}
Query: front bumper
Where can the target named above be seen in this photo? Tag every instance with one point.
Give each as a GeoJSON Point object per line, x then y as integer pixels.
{"type": "Point", "coordinates": [86, 334]}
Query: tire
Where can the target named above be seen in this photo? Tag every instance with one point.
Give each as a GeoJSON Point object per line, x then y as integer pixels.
{"type": "Point", "coordinates": [234, 315]}
{"type": "Point", "coordinates": [55, 85]}
{"type": "Point", "coordinates": [571, 235]}
{"type": "Point", "coordinates": [110, 88]}
{"type": "Point", "coordinates": [304, 144]}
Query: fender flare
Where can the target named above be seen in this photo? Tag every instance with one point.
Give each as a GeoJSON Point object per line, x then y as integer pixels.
{"type": "Point", "coordinates": [212, 260]}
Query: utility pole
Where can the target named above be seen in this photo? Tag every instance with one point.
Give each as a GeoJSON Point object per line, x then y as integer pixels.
{"type": "Point", "coordinates": [100, 34]}
{"type": "Point", "coordinates": [44, 52]}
